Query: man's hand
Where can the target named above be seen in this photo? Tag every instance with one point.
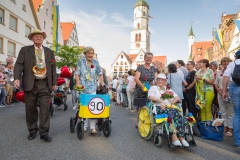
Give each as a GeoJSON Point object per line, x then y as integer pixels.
{"type": "Point", "coordinates": [224, 94]}
{"type": "Point", "coordinates": [17, 84]}
{"type": "Point", "coordinates": [54, 88]}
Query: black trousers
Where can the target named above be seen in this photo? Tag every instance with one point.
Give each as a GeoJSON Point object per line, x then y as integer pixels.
{"type": "Point", "coordinates": [191, 94]}
{"type": "Point", "coordinates": [41, 94]}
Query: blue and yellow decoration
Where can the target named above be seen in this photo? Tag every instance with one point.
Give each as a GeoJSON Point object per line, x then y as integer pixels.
{"type": "Point", "coordinates": [94, 106]}
{"type": "Point", "coordinates": [160, 118]}
{"type": "Point", "coordinates": [55, 26]}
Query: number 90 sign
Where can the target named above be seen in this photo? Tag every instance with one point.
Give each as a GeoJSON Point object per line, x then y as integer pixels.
{"type": "Point", "coordinates": [96, 106]}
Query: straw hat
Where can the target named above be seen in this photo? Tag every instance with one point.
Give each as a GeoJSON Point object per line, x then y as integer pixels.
{"type": "Point", "coordinates": [37, 31]}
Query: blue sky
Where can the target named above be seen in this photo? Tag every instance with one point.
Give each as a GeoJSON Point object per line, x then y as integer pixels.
{"type": "Point", "coordinates": [106, 24]}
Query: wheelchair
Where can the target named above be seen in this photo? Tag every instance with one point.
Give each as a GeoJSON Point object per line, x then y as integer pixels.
{"type": "Point", "coordinates": [148, 127]}
{"type": "Point", "coordinates": [95, 106]}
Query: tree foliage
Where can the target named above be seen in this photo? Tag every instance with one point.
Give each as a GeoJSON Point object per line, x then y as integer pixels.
{"type": "Point", "coordinates": [66, 55]}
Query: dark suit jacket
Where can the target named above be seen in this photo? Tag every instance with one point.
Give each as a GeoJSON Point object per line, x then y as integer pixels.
{"type": "Point", "coordinates": [26, 61]}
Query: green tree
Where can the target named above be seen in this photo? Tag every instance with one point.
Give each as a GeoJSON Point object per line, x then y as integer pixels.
{"type": "Point", "coordinates": [66, 55]}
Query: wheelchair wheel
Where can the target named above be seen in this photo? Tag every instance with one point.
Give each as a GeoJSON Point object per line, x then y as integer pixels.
{"type": "Point", "coordinates": [106, 127]}
{"type": "Point", "coordinates": [65, 107]}
{"type": "Point", "coordinates": [145, 123]}
{"type": "Point", "coordinates": [72, 124]}
{"type": "Point", "coordinates": [80, 130]}
{"type": "Point", "coordinates": [158, 140]}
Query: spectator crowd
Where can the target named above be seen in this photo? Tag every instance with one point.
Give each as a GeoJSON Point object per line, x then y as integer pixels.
{"type": "Point", "coordinates": [199, 85]}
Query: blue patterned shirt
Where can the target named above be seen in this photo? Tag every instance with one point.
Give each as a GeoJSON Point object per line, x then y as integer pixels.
{"type": "Point", "coordinates": [88, 76]}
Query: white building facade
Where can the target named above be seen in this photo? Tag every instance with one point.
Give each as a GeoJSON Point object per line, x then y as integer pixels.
{"type": "Point", "coordinates": [17, 20]}
{"type": "Point", "coordinates": [121, 65]}
{"type": "Point", "coordinates": [140, 35]}
{"type": "Point", "coordinates": [45, 14]}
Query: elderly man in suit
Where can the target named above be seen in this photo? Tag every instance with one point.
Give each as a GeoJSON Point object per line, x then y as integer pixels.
{"type": "Point", "coordinates": [37, 68]}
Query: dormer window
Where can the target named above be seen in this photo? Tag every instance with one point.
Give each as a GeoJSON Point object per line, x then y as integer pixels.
{"type": "Point", "coordinates": [121, 56]}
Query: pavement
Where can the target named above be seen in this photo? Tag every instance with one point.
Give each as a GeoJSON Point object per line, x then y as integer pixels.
{"type": "Point", "coordinates": [124, 143]}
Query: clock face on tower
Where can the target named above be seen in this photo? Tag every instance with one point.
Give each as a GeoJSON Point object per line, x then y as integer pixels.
{"type": "Point", "coordinates": [137, 45]}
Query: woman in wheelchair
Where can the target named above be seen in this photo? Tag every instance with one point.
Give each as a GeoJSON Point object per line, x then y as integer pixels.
{"type": "Point", "coordinates": [175, 119]}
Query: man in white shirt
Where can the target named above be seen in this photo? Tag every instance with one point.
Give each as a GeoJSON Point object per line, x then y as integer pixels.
{"type": "Point", "coordinates": [114, 84]}
{"type": "Point", "coordinates": [234, 95]}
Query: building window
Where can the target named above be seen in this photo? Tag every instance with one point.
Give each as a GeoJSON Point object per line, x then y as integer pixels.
{"type": "Point", "coordinates": [126, 68]}
{"type": "Point", "coordinates": [138, 25]}
{"type": "Point", "coordinates": [125, 63]}
{"type": "Point", "coordinates": [44, 24]}
{"type": "Point", "coordinates": [141, 56]}
{"type": "Point", "coordinates": [1, 16]}
{"type": "Point", "coordinates": [27, 30]}
{"type": "Point", "coordinates": [120, 68]}
{"type": "Point", "coordinates": [13, 23]}
{"type": "Point", "coordinates": [47, 12]}
{"type": "Point", "coordinates": [14, 1]}
{"type": "Point", "coordinates": [52, 17]}
{"type": "Point", "coordinates": [136, 37]}
{"type": "Point", "coordinates": [1, 45]}
{"type": "Point", "coordinates": [121, 63]}
{"type": "Point", "coordinates": [121, 56]}
{"type": "Point", "coordinates": [11, 49]}
{"type": "Point", "coordinates": [116, 63]}
{"type": "Point", "coordinates": [139, 37]}
{"type": "Point", "coordinates": [24, 7]}
{"type": "Point", "coordinates": [52, 3]}
{"type": "Point", "coordinates": [199, 49]}
{"type": "Point", "coordinates": [51, 30]}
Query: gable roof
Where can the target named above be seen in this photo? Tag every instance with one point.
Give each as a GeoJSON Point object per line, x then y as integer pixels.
{"type": "Point", "coordinates": [34, 13]}
{"type": "Point", "coordinates": [119, 55]}
{"type": "Point", "coordinates": [159, 61]}
{"type": "Point", "coordinates": [67, 28]}
{"type": "Point", "coordinates": [37, 4]}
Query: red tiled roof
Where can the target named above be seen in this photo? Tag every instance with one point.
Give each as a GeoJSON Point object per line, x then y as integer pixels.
{"type": "Point", "coordinates": [67, 28]}
{"type": "Point", "coordinates": [36, 4]}
{"type": "Point", "coordinates": [132, 56]}
{"type": "Point", "coordinates": [203, 46]}
{"type": "Point", "coordinates": [159, 61]}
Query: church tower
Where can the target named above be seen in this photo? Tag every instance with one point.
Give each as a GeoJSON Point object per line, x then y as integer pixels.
{"type": "Point", "coordinates": [140, 35]}
{"type": "Point", "coordinates": [190, 40]}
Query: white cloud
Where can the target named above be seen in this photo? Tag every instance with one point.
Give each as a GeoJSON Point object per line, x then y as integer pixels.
{"type": "Point", "coordinates": [107, 34]}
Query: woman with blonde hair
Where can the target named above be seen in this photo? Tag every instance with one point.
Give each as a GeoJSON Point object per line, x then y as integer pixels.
{"type": "Point", "coordinates": [225, 107]}
{"type": "Point", "coordinates": [87, 73]}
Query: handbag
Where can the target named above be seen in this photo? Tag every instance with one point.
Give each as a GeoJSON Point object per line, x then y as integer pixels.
{"type": "Point", "coordinates": [124, 88]}
{"type": "Point", "coordinates": [211, 132]}
{"type": "Point", "coordinates": [141, 94]}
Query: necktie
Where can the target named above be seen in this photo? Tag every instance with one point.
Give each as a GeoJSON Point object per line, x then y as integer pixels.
{"type": "Point", "coordinates": [39, 55]}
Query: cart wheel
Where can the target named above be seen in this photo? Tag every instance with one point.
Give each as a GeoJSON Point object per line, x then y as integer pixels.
{"type": "Point", "coordinates": [100, 124]}
{"type": "Point", "coordinates": [72, 124]}
{"type": "Point", "coordinates": [65, 107]}
{"type": "Point", "coordinates": [158, 140]}
{"type": "Point", "coordinates": [106, 127]}
{"type": "Point", "coordinates": [80, 130]}
{"type": "Point", "coordinates": [145, 123]}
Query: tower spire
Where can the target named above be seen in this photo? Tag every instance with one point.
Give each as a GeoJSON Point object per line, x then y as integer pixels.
{"type": "Point", "coordinates": [191, 32]}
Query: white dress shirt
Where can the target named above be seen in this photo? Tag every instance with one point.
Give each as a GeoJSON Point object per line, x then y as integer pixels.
{"type": "Point", "coordinates": [230, 68]}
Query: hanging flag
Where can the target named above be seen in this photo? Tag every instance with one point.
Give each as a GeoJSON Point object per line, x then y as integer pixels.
{"type": "Point", "coordinates": [237, 22]}
{"type": "Point", "coordinates": [206, 55]}
{"type": "Point", "coordinates": [220, 37]}
{"type": "Point", "coordinates": [55, 26]}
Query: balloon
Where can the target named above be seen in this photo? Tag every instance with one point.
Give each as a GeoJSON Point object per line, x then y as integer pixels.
{"type": "Point", "coordinates": [60, 81]}
{"type": "Point", "coordinates": [20, 96]}
{"type": "Point", "coordinates": [65, 73]}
